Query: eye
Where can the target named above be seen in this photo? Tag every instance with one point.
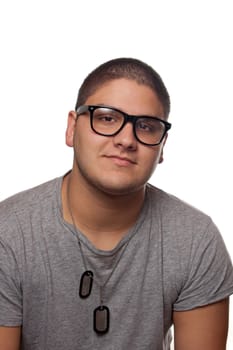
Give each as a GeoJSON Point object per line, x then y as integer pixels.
{"type": "Point", "coordinates": [143, 126]}
{"type": "Point", "coordinates": [107, 118]}
{"type": "Point", "coordinates": [149, 125]}
{"type": "Point", "coordinates": [146, 126]}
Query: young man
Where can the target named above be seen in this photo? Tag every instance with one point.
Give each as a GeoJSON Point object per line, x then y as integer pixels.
{"type": "Point", "coordinates": [100, 259]}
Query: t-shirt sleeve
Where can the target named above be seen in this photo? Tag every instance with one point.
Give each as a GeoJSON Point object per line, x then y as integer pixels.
{"type": "Point", "coordinates": [10, 288]}
{"type": "Point", "coordinates": [209, 272]}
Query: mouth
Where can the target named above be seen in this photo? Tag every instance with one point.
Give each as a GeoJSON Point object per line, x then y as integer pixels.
{"type": "Point", "coordinates": [122, 161]}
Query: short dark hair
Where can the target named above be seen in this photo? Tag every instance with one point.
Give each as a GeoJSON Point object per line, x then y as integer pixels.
{"type": "Point", "coordinates": [128, 68]}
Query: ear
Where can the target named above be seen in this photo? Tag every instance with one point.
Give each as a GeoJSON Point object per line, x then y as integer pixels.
{"type": "Point", "coordinates": [71, 123]}
{"type": "Point", "coordinates": [162, 147]}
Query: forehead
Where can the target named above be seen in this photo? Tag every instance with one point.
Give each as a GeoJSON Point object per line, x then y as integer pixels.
{"type": "Point", "coordinates": [129, 96]}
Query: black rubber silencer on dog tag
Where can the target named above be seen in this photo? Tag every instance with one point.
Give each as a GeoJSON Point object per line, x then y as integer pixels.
{"type": "Point", "coordinates": [101, 319]}
{"type": "Point", "coordinates": [86, 284]}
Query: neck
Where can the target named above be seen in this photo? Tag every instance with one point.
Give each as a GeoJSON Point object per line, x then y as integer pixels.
{"type": "Point", "coordinates": [103, 218]}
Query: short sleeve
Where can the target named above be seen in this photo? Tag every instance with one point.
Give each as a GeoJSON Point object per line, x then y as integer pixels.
{"type": "Point", "coordinates": [10, 289]}
{"type": "Point", "coordinates": [209, 275]}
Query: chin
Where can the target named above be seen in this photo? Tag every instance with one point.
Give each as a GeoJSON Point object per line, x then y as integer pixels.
{"type": "Point", "coordinates": [114, 184]}
{"type": "Point", "coordinates": [120, 190]}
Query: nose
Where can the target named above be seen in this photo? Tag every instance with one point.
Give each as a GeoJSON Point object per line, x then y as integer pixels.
{"type": "Point", "coordinates": [125, 138]}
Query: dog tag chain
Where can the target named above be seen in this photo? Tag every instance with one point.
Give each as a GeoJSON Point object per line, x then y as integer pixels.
{"type": "Point", "coordinates": [101, 314]}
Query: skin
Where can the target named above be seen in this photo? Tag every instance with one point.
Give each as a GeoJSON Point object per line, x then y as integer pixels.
{"type": "Point", "coordinates": [93, 152]}
{"type": "Point", "coordinates": [109, 175]}
{"type": "Point", "coordinates": [204, 328]}
{"type": "Point", "coordinates": [10, 338]}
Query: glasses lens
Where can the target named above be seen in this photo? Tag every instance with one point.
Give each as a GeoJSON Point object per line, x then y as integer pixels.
{"type": "Point", "coordinates": [149, 130]}
{"type": "Point", "coordinates": [107, 121]}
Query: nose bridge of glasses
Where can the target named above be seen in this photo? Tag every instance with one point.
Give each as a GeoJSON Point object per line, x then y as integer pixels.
{"type": "Point", "coordinates": [129, 119]}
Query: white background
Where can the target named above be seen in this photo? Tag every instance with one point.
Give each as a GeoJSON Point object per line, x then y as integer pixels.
{"type": "Point", "coordinates": [47, 49]}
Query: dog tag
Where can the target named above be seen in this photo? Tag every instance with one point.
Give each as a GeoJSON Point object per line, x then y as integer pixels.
{"type": "Point", "coordinates": [86, 284]}
{"type": "Point", "coordinates": [101, 319]}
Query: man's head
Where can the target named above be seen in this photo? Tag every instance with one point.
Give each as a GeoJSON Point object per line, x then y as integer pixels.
{"type": "Point", "coordinates": [117, 160]}
{"type": "Point", "coordinates": [128, 68]}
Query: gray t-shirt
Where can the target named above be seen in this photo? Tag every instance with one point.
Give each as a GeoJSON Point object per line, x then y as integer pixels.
{"type": "Point", "coordinates": [172, 259]}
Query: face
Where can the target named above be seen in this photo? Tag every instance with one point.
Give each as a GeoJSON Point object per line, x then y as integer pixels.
{"type": "Point", "coordinates": [117, 164]}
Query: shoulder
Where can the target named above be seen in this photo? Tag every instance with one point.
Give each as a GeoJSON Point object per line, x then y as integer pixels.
{"type": "Point", "coordinates": [184, 228]}
{"type": "Point", "coordinates": [29, 197]}
{"type": "Point", "coordinates": [196, 264]}
{"type": "Point", "coordinates": [23, 204]}
{"type": "Point", "coordinates": [174, 210]}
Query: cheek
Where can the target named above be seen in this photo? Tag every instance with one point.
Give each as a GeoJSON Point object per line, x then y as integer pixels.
{"type": "Point", "coordinates": [151, 160]}
{"type": "Point", "coordinates": [87, 144]}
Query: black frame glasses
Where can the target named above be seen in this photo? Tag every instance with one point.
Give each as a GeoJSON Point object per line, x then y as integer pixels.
{"type": "Point", "coordinates": [135, 120]}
